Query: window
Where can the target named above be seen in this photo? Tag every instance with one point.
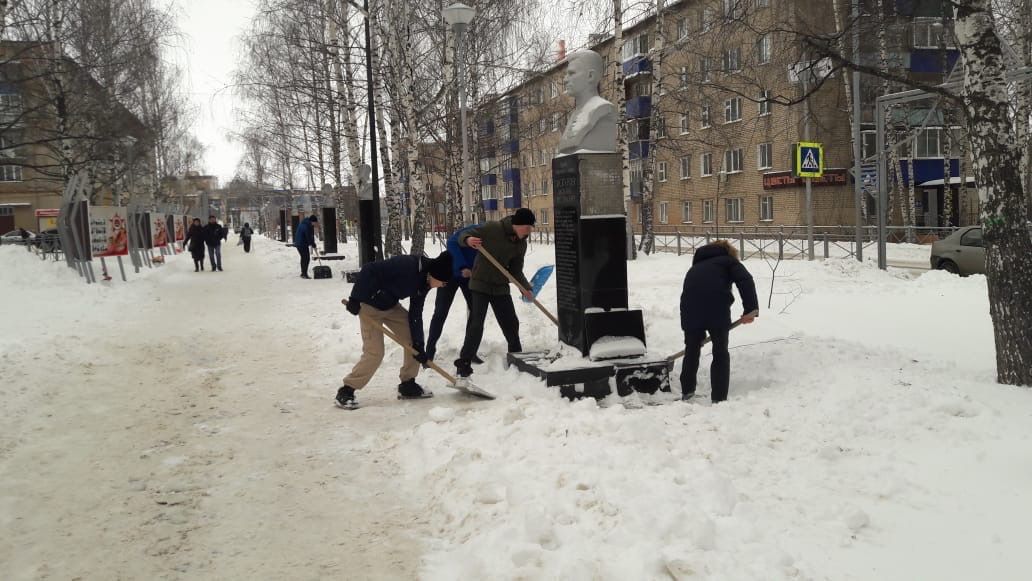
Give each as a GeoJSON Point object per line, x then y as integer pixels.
{"type": "Point", "coordinates": [661, 127]}
{"type": "Point", "coordinates": [636, 171]}
{"type": "Point", "coordinates": [683, 77]}
{"type": "Point", "coordinates": [553, 89]}
{"type": "Point", "coordinates": [706, 164]}
{"type": "Point", "coordinates": [706, 19]}
{"type": "Point", "coordinates": [664, 215]}
{"type": "Point", "coordinates": [9, 145]}
{"type": "Point", "coordinates": [686, 212]}
{"type": "Point", "coordinates": [661, 171]}
{"type": "Point", "coordinates": [868, 144]}
{"type": "Point", "coordinates": [686, 167]}
{"type": "Point", "coordinates": [682, 28]}
{"type": "Point", "coordinates": [731, 9]}
{"type": "Point", "coordinates": [642, 89]}
{"type": "Point", "coordinates": [732, 160]}
{"type": "Point", "coordinates": [684, 123]}
{"type": "Point", "coordinates": [529, 190]}
{"type": "Point", "coordinates": [765, 97]}
{"type": "Point", "coordinates": [762, 3]}
{"type": "Point", "coordinates": [929, 142]}
{"type": "Point", "coordinates": [542, 125]}
{"type": "Point", "coordinates": [6, 211]}
{"type": "Point", "coordinates": [733, 60]}
{"type": "Point", "coordinates": [733, 207]}
{"type": "Point", "coordinates": [10, 173]}
{"type": "Point", "coordinates": [544, 187]}
{"type": "Point", "coordinates": [733, 110]}
{"type": "Point", "coordinates": [763, 49]}
{"type": "Point", "coordinates": [704, 118]}
{"type": "Point", "coordinates": [544, 215]}
{"type": "Point", "coordinates": [704, 69]}
{"type": "Point", "coordinates": [707, 211]}
{"type": "Point", "coordinates": [556, 120]}
{"type": "Point", "coordinates": [636, 45]}
{"type": "Point", "coordinates": [929, 33]}
{"type": "Point", "coordinates": [487, 192]}
{"type": "Point", "coordinates": [10, 106]}
{"type": "Point", "coordinates": [972, 237]}
{"type": "Point", "coordinates": [766, 208]}
{"type": "Point", "coordinates": [765, 156]}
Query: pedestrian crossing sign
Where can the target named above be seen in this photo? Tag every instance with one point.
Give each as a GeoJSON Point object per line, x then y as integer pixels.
{"type": "Point", "coordinates": [809, 160]}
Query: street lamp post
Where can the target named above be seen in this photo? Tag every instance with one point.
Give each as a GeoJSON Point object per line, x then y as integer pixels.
{"type": "Point", "coordinates": [458, 15]}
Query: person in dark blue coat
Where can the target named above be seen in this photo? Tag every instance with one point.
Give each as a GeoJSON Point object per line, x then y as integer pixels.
{"type": "Point", "coordinates": [304, 238]}
{"type": "Point", "coordinates": [462, 268]}
{"type": "Point", "coordinates": [706, 308]}
{"type": "Point", "coordinates": [375, 296]}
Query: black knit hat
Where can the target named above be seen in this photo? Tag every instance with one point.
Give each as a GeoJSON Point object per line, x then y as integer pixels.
{"type": "Point", "coordinates": [441, 267]}
{"type": "Point", "coordinates": [313, 218]}
{"type": "Point", "coordinates": [523, 217]}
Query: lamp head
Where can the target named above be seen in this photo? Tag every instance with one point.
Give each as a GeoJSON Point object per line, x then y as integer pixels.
{"type": "Point", "coordinates": [458, 14]}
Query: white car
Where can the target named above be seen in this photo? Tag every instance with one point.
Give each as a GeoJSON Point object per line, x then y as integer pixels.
{"type": "Point", "coordinates": [15, 237]}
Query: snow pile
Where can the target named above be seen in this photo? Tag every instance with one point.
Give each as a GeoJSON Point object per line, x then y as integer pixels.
{"type": "Point", "coordinates": [609, 347]}
{"type": "Point", "coordinates": [864, 438]}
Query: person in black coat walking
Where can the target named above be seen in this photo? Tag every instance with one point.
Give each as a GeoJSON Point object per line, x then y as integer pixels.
{"type": "Point", "coordinates": [245, 236]}
{"type": "Point", "coordinates": [214, 234]}
{"type": "Point", "coordinates": [304, 239]}
{"type": "Point", "coordinates": [195, 242]}
{"type": "Point", "coordinates": [706, 307]}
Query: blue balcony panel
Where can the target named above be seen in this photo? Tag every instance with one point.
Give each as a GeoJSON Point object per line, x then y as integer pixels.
{"type": "Point", "coordinates": [636, 66]}
{"type": "Point", "coordinates": [639, 149]}
{"type": "Point", "coordinates": [511, 146]}
{"type": "Point", "coordinates": [511, 175]}
{"type": "Point", "coordinates": [929, 60]}
{"type": "Point", "coordinates": [926, 170]}
{"type": "Point", "coordinates": [489, 179]}
{"type": "Point", "coordinates": [514, 201]}
{"type": "Point", "coordinates": [639, 107]}
{"type": "Point", "coordinates": [490, 205]}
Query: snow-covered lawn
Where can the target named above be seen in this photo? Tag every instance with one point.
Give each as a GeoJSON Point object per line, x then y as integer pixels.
{"type": "Point", "coordinates": [181, 426]}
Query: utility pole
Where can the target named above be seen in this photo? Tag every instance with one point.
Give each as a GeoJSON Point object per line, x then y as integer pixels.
{"type": "Point", "coordinates": [858, 193]}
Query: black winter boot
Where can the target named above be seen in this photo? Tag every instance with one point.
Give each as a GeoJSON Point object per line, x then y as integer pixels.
{"type": "Point", "coordinates": [463, 367]}
{"type": "Point", "coordinates": [346, 398]}
{"type": "Point", "coordinates": [410, 390]}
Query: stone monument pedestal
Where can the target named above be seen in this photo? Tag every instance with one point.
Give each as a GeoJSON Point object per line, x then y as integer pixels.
{"type": "Point", "coordinates": [591, 281]}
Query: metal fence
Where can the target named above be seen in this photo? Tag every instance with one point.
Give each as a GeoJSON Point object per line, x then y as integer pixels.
{"type": "Point", "coordinates": [780, 242]}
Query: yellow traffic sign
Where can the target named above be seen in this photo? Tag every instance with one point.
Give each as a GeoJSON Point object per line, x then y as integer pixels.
{"type": "Point", "coordinates": [809, 159]}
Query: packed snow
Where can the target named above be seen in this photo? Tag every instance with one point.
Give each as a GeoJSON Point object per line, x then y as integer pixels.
{"type": "Point", "coordinates": [181, 425]}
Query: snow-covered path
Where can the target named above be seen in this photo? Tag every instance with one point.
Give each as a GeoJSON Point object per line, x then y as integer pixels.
{"type": "Point", "coordinates": [181, 426]}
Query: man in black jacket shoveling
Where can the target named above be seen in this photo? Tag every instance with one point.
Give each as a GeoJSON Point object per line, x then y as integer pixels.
{"type": "Point", "coordinates": [376, 294]}
{"type": "Point", "coordinates": [706, 307]}
{"type": "Point", "coordinates": [506, 240]}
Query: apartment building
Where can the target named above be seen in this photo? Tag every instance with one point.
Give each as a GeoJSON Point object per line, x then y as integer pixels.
{"type": "Point", "coordinates": [109, 137]}
{"type": "Point", "coordinates": [713, 117]}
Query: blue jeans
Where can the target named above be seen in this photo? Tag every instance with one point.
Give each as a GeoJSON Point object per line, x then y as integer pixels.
{"type": "Point", "coordinates": [215, 256]}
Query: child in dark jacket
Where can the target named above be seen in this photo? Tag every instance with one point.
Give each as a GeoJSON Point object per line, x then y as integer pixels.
{"type": "Point", "coordinates": [706, 307]}
{"type": "Point", "coordinates": [375, 299]}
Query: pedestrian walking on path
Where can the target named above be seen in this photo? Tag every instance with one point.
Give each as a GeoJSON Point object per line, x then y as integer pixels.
{"type": "Point", "coordinates": [304, 239]}
{"type": "Point", "coordinates": [195, 242]}
{"type": "Point", "coordinates": [214, 234]}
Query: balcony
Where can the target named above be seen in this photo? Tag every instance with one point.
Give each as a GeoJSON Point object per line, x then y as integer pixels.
{"type": "Point", "coordinates": [511, 147]}
{"type": "Point", "coordinates": [639, 149]}
{"type": "Point", "coordinates": [930, 60]}
{"type": "Point", "coordinates": [637, 65]}
{"type": "Point", "coordinates": [511, 175]}
{"type": "Point", "coordinates": [514, 201]}
{"type": "Point", "coordinates": [487, 128]}
{"type": "Point", "coordinates": [489, 179]}
{"type": "Point", "coordinates": [490, 205]}
{"type": "Point", "coordinates": [639, 107]}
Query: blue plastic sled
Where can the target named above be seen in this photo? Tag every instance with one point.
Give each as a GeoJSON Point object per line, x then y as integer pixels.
{"type": "Point", "coordinates": [538, 281]}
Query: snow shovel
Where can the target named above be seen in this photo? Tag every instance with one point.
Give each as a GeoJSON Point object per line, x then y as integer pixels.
{"type": "Point", "coordinates": [483, 251]}
{"type": "Point", "coordinates": [466, 387]}
{"type": "Point", "coordinates": [679, 354]}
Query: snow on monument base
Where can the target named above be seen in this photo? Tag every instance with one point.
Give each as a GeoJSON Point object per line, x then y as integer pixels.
{"type": "Point", "coordinates": [580, 377]}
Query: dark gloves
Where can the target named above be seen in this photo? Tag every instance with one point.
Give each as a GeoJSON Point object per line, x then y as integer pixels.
{"type": "Point", "coordinates": [421, 357]}
{"type": "Point", "coordinates": [354, 306]}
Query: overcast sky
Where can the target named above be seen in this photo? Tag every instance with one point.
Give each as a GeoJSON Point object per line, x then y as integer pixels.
{"type": "Point", "coordinates": [208, 56]}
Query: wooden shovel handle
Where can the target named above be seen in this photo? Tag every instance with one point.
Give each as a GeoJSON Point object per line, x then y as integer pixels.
{"type": "Point", "coordinates": [408, 348]}
{"type": "Point", "coordinates": [513, 280]}
{"type": "Point", "coordinates": [680, 353]}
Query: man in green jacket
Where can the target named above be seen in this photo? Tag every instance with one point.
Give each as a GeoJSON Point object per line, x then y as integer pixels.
{"type": "Point", "coordinates": [506, 240]}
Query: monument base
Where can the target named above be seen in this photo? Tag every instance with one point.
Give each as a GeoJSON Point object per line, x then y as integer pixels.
{"type": "Point", "coordinates": [576, 377]}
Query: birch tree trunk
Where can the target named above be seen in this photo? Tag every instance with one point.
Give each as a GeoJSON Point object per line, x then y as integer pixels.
{"type": "Point", "coordinates": [649, 174]}
{"type": "Point", "coordinates": [417, 193]}
{"type": "Point", "coordinates": [345, 74]}
{"type": "Point", "coordinates": [1006, 213]}
{"type": "Point", "coordinates": [621, 124]}
{"type": "Point", "coordinates": [383, 46]}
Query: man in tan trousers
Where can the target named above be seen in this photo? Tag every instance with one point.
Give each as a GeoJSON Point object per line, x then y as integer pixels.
{"type": "Point", "coordinates": [375, 298]}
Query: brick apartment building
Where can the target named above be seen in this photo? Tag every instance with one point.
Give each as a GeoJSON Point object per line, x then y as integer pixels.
{"type": "Point", "coordinates": [725, 120]}
{"type": "Point", "coordinates": [30, 172]}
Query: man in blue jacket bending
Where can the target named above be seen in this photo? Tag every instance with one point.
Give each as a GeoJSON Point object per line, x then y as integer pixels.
{"type": "Point", "coordinates": [462, 268]}
{"type": "Point", "coordinates": [375, 296]}
{"type": "Point", "coordinates": [304, 238]}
